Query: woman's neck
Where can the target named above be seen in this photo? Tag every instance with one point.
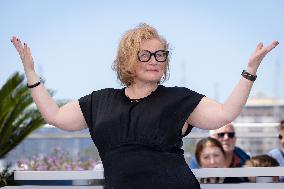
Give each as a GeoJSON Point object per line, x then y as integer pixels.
{"type": "Point", "coordinates": [140, 90]}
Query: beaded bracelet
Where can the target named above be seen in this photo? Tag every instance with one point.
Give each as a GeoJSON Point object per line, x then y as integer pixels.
{"type": "Point", "coordinates": [248, 76]}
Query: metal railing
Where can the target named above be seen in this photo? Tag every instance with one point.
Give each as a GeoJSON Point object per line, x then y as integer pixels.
{"type": "Point", "coordinates": [199, 173]}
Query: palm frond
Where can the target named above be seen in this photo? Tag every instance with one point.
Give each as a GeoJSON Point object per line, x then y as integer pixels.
{"type": "Point", "coordinates": [6, 96]}
{"type": "Point", "coordinates": [18, 115]}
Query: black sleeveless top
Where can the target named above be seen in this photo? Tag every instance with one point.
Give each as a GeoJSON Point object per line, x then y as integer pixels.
{"type": "Point", "coordinates": [140, 140]}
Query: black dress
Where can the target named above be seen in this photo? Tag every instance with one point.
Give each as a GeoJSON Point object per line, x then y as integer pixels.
{"type": "Point", "coordinates": [140, 141]}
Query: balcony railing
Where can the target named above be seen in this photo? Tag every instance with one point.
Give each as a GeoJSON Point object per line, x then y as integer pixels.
{"type": "Point", "coordinates": [82, 178]}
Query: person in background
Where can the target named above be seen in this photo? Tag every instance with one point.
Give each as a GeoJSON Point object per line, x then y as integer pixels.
{"type": "Point", "coordinates": [278, 153]}
{"type": "Point", "coordinates": [210, 154]}
{"type": "Point", "coordinates": [235, 156]}
{"type": "Point", "coordinates": [262, 161]}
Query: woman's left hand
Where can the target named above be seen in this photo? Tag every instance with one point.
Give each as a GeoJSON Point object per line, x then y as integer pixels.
{"type": "Point", "coordinates": [258, 55]}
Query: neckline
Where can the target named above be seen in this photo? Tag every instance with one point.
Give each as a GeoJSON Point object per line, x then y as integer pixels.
{"type": "Point", "coordinates": [136, 100]}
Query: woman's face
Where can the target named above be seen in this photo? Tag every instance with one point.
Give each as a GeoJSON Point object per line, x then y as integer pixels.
{"type": "Point", "coordinates": [212, 157]}
{"type": "Point", "coordinates": [152, 70]}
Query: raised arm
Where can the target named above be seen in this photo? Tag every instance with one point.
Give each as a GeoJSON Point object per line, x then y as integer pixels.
{"type": "Point", "coordinates": [68, 117]}
{"type": "Point", "coordinates": [210, 114]}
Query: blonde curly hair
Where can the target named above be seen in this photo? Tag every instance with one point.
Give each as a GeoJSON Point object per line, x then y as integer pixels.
{"type": "Point", "coordinates": [127, 52]}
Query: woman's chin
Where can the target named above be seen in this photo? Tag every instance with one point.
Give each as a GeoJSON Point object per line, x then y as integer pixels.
{"type": "Point", "coordinates": [154, 80]}
{"type": "Point", "coordinates": [154, 77]}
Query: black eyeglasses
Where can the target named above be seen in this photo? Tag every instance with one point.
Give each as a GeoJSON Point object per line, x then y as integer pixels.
{"type": "Point", "coordinates": [145, 55]}
{"type": "Point", "coordinates": [229, 134]}
{"type": "Point", "coordinates": [280, 137]}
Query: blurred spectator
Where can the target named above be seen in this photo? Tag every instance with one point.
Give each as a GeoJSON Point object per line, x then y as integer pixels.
{"type": "Point", "coordinates": [262, 161]}
{"type": "Point", "coordinates": [210, 154]}
{"type": "Point", "coordinates": [235, 156]}
{"type": "Point", "coordinates": [278, 154]}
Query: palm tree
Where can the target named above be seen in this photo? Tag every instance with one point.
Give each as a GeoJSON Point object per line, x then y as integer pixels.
{"type": "Point", "coordinates": [18, 116]}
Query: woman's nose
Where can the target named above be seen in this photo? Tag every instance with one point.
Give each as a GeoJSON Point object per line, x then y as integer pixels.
{"type": "Point", "coordinates": [152, 60]}
{"type": "Point", "coordinates": [212, 161]}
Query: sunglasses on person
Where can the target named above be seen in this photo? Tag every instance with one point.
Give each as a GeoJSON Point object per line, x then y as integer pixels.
{"type": "Point", "coordinates": [229, 134]}
{"type": "Point", "coordinates": [145, 56]}
{"type": "Point", "coordinates": [280, 137]}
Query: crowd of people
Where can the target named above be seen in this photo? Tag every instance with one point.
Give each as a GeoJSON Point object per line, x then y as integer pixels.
{"type": "Point", "coordinates": [219, 150]}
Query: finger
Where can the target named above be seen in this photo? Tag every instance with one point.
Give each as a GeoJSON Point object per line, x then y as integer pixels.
{"type": "Point", "coordinates": [260, 54]}
{"type": "Point", "coordinates": [259, 46]}
{"type": "Point", "coordinates": [28, 52]}
{"type": "Point", "coordinates": [272, 46]}
{"type": "Point", "coordinates": [15, 42]}
{"type": "Point", "coordinates": [14, 39]}
{"type": "Point", "coordinates": [18, 45]}
{"type": "Point", "coordinates": [25, 51]}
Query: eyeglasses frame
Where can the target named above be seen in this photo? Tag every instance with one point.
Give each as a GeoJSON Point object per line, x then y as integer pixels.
{"type": "Point", "coordinates": [153, 54]}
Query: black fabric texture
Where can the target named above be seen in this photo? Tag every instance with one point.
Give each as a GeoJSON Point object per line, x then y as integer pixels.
{"type": "Point", "coordinates": [140, 140]}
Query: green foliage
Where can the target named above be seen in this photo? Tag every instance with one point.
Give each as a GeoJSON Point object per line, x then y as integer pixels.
{"type": "Point", "coordinates": [6, 176]}
{"type": "Point", "coordinates": [18, 115]}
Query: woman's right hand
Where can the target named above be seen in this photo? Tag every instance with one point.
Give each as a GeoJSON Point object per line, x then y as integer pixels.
{"type": "Point", "coordinates": [69, 116]}
{"type": "Point", "coordinates": [25, 54]}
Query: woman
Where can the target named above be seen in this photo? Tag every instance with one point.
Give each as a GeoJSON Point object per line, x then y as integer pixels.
{"type": "Point", "coordinates": [138, 129]}
{"type": "Point", "coordinates": [210, 153]}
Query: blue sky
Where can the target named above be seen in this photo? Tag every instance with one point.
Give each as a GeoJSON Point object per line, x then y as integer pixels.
{"type": "Point", "coordinates": [74, 42]}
